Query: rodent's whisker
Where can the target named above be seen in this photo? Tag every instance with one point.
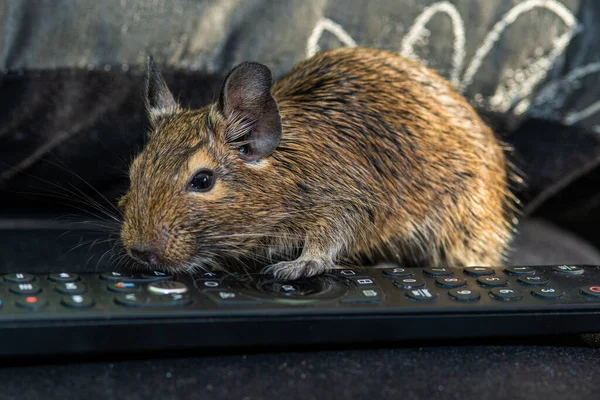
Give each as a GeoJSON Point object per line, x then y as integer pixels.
{"type": "Point", "coordinates": [75, 202]}
{"type": "Point", "coordinates": [76, 197]}
{"type": "Point", "coordinates": [68, 170]}
{"type": "Point", "coordinates": [92, 243]}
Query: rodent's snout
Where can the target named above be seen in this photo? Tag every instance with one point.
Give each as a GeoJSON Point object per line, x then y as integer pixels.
{"type": "Point", "coordinates": [157, 247]}
{"type": "Point", "coordinates": [147, 255]}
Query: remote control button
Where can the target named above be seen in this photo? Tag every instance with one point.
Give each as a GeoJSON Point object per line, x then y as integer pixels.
{"type": "Point", "coordinates": [568, 269]}
{"type": "Point", "coordinates": [156, 275]}
{"type": "Point", "coordinates": [171, 300]}
{"type": "Point", "coordinates": [71, 288]}
{"type": "Point", "coordinates": [363, 281]}
{"type": "Point", "coordinates": [167, 287]}
{"type": "Point", "coordinates": [77, 301]}
{"type": "Point", "coordinates": [123, 287]}
{"type": "Point", "coordinates": [409, 283]}
{"type": "Point", "coordinates": [519, 270]}
{"type": "Point", "coordinates": [491, 281]}
{"type": "Point", "coordinates": [547, 293]}
{"type": "Point", "coordinates": [506, 294]}
{"type": "Point", "coordinates": [533, 280]}
{"type": "Point", "coordinates": [437, 271]}
{"type": "Point", "coordinates": [364, 296]}
{"type": "Point", "coordinates": [451, 282]}
{"type": "Point", "coordinates": [25, 288]}
{"type": "Point", "coordinates": [347, 272]}
{"type": "Point", "coordinates": [227, 297]}
{"type": "Point", "coordinates": [32, 303]}
{"type": "Point", "coordinates": [18, 278]}
{"type": "Point", "coordinates": [113, 276]}
{"type": "Point", "coordinates": [209, 275]}
{"type": "Point", "coordinates": [63, 277]}
{"type": "Point", "coordinates": [479, 271]}
{"type": "Point", "coordinates": [464, 295]}
{"type": "Point", "coordinates": [143, 300]}
{"type": "Point", "coordinates": [593, 291]}
{"type": "Point", "coordinates": [211, 284]}
{"type": "Point", "coordinates": [421, 294]}
{"type": "Point", "coordinates": [396, 272]}
{"type": "Point", "coordinates": [131, 300]}
{"type": "Point", "coordinates": [126, 277]}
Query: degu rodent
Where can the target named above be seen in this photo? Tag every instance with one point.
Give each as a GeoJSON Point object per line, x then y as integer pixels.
{"type": "Point", "coordinates": [355, 156]}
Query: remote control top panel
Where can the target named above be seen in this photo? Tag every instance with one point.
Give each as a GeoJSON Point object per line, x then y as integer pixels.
{"type": "Point", "coordinates": [394, 290]}
{"type": "Point", "coordinates": [120, 312]}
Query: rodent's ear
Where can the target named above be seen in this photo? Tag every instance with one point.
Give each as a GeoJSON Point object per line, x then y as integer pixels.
{"type": "Point", "coordinates": [251, 111]}
{"type": "Point", "coordinates": [158, 99]}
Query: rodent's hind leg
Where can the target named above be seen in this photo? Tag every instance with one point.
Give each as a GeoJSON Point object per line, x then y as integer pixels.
{"type": "Point", "coordinates": [302, 267]}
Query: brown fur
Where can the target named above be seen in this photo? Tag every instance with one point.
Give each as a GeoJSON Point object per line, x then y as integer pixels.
{"type": "Point", "coordinates": [379, 159]}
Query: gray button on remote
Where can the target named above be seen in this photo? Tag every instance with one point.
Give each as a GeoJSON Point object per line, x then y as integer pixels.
{"type": "Point", "coordinates": [167, 287]}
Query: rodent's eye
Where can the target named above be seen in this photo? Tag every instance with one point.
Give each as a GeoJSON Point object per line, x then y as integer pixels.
{"type": "Point", "coordinates": [203, 181]}
{"type": "Point", "coordinates": [244, 149]}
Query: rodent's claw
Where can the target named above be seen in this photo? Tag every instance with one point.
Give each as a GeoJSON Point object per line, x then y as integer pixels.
{"type": "Point", "coordinates": [291, 270]}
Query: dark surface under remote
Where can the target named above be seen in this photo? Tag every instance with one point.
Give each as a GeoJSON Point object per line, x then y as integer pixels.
{"type": "Point", "coordinates": [120, 312]}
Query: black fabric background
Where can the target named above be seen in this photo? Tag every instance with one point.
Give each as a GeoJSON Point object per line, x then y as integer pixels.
{"type": "Point", "coordinates": [71, 73]}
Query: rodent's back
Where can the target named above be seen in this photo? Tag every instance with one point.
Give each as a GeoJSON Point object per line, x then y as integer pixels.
{"type": "Point", "coordinates": [369, 131]}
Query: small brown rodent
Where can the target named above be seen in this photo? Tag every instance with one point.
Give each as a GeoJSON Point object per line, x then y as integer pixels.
{"type": "Point", "coordinates": [356, 155]}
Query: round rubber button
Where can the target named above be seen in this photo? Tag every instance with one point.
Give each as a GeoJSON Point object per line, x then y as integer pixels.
{"type": "Point", "coordinates": [409, 283]}
{"type": "Point", "coordinates": [113, 276]}
{"type": "Point", "coordinates": [77, 301]}
{"type": "Point", "coordinates": [211, 284]}
{"type": "Point", "coordinates": [568, 269]}
{"type": "Point", "coordinates": [491, 281]}
{"type": "Point", "coordinates": [421, 294]}
{"type": "Point", "coordinates": [451, 282]}
{"type": "Point", "coordinates": [479, 271]}
{"type": "Point", "coordinates": [71, 288]}
{"type": "Point", "coordinates": [464, 295]}
{"type": "Point", "coordinates": [18, 278]}
{"type": "Point", "coordinates": [437, 271]}
{"type": "Point", "coordinates": [519, 270]}
{"type": "Point", "coordinates": [396, 272]}
{"type": "Point", "coordinates": [156, 275]}
{"type": "Point", "coordinates": [547, 293]}
{"type": "Point", "coordinates": [173, 300]}
{"type": "Point", "coordinates": [167, 287]}
{"type": "Point", "coordinates": [131, 300]}
{"type": "Point", "coordinates": [152, 301]}
{"type": "Point", "coordinates": [63, 277]}
{"type": "Point", "coordinates": [592, 291]}
{"type": "Point", "coordinates": [208, 275]}
{"type": "Point", "coordinates": [123, 287]}
{"type": "Point", "coordinates": [506, 294]}
{"type": "Point", "coordinates": [32, 302]}
{"type": "Point", "coordinates": [25, 288]}
{"type": "Point", "coordinates": [533, 280]}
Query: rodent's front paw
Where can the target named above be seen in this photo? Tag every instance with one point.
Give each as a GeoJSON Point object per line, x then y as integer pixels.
{"type": "Point", "coordinates": [290, 270]}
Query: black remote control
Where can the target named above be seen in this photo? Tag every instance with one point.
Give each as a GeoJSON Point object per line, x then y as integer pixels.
{"type": "Point", "coordinates": [118, 312]}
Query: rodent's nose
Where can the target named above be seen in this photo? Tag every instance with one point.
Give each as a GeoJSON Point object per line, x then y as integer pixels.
{"type": "Point", "coordinates": [145, 255]}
